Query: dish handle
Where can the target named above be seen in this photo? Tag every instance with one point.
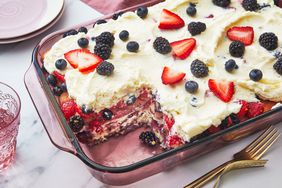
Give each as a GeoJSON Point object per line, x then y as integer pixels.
{"type": "Point", "coordinates": [45, 111]}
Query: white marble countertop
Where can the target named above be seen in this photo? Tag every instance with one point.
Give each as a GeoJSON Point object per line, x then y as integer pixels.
{"type": "Point", "coordinates": [39, 164]}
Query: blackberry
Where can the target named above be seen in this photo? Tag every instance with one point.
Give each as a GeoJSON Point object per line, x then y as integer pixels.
{"type": "Point", "coordinates": [191, 86]}
{"type": "Point", "coordinates": [117, 15]}
{"type": "Point", "coordinates": [196, 28]}
{"type": "Point", "coordinates": [230, 65]}
{"type": "Point", "coordinates": [221, 3]}
{"type": "Point", "coordinates": [224, 123]}
{"type": "Point", "coordinates": [199, 69]}
{"type": "Point", "coordinates": [123, 35]}
{"type": "Point", "coordinates": [191, 10]}
{"type": "Point", "coordinates": [149, 138]}
{"type": "Point", "coordinates": [105, 38]}
{"type": "Point", "coordinates": [84, 137]}
{"type": "Point", "coordinates": [278, 66]}
{"type": "Point", "coordinates": [234, 119]}
{"type": "Point", "coordinates": [250, 5]}
{"type": "Point", "coordinates": [103, 51]}
{"type": "Point", "coordinates": [268, 40]}
{"type": "Point", "coordinates": [132, 46]}
{"type": "Point", "coordinates": [236, 49]}
{"type": "Point", "coordinates": [57, 91]}
{"type": "Point", "coordinates": [162, 45]}
{"type": "Point", "coordinates": [51, 79]}
{"type": "Point", "coordinates": [83, 30]}
{"type": "Point", "coordinates": [61, 64]}
{"type": "Point", "coordinates": [83, 42]}
{"type": "Point", "coordinates": [76, 123]}
{"type": "Point", "coordinates": [255, 75]}
{"type": "Point", "coordinates": [142, 12]}
{"type": "Point", "coordinates": [107, 114]}
{"type": "Point", "coordinates": [105, 68]}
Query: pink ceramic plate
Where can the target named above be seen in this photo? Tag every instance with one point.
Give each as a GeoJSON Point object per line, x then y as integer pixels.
{"type": "Point", "coordinates": [22, 17]}
{"type": "Point", "coordinates": [33, 34]}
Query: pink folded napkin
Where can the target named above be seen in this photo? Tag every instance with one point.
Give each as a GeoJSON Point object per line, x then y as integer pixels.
{"type": "Point", "coordinates": [109, 6]}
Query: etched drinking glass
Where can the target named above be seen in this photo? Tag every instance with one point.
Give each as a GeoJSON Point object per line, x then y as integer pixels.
{"type": "Point", "coordinates": [10, 106]}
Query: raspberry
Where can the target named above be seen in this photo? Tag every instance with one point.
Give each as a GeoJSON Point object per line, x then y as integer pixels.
{"type": "Point", "coordinates": [255, 109]}
{"type": "Point", "coordinates": [174, 141]}
{"type": "Point", "coordinates": [68, 108]}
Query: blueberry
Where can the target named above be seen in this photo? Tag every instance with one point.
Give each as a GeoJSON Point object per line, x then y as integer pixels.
{"type": "Point", "coordinates": [51, 79]}
{"type": "Point", "coordinates": [123, 35]}
{"type": "Point", "coordinates": [131, 100]}
{"type": "Point", "coordinates": [83, 42]}
{"type": "Point", "coordinates": [83, 30]}
{"type": "Point", "coordinates": [230, 65]}
{"type": "Point", "coordinates": [61, 64]}
{"type": "Point", "coordinates": [142, 12]}
{"type": "Point", "coordinates": [107, 114]}
{"type": "Point", "coordinates": [64, 87]}
{"type": "Point", "coordinates": [255, 75]}
{"type": "Point", "coordinates": [191, 86]}
{"type": "Point", "coordinates": [191, 10]}
{"type": "Point", "coordinates": [57, 91]}
{"type": "Point", "coordinates": [98, 22]}
{"type": "Point", "coordinates": [132, 46]}
{"type": "Point", "coordinates": [70, 32]}
{"type": "Point", "coordinates": [85, 109]}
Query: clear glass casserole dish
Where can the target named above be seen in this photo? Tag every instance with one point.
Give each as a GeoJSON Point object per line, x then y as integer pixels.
{"type": "Point", "coordinates": [122, 160]}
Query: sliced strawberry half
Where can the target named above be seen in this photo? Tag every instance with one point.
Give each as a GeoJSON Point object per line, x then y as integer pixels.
{"type": "Point", "coordinates": [170, 76]}
{"type": "Point", "coordinates": [170, 20]}
{"type": "Point", "coordinates": [183, 48]}
{"type": "Point", "coordinates": [224, 90]}
{"type": "Point", "coordinates": [83, 59]}
{"type": "Point", "coordinates": [169, 121]}
{"type": "Point", "coordinates": [59, 76]}
{"type": "Point", "coordinates": [242, 34]}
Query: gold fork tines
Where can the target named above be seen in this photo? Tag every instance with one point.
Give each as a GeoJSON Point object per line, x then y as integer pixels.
{"type": "Point", "coordinates": [254, 151]}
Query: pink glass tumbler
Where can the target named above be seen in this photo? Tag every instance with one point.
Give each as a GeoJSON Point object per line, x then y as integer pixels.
{"type": "Point", "coordinates": [10, 106]}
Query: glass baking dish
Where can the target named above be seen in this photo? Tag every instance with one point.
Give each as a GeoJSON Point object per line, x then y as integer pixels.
{"type": "Point", "coordinates": [123, 160]}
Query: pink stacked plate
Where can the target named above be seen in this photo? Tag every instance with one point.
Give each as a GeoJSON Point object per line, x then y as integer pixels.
{"type": "Point", "coordinates": [21, 20]}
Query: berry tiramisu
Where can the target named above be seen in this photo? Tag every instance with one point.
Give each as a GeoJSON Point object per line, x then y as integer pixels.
{"type": "Point", "coordinates": [182, 68]}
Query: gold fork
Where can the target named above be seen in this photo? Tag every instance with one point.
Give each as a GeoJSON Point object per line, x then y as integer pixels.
{"type": "Point", "coordinates": [253, 151]}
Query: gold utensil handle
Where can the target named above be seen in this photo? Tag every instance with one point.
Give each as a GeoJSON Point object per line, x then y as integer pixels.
{"type": "Point", "coordinates": [208, 176]}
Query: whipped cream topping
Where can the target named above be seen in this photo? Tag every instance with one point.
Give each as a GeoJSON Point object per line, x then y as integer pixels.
{"type": "Point", "coordinates": [195, 113]}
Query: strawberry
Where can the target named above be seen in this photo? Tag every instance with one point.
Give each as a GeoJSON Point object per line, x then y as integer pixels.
{"type": "Point", "coordinates": [169, 122]}
{"type": "Point", "coordinates": [255, 109]}
{"type": "Point", "coordinates": [170, 76]}
{"type": "Point", "coordinates": [183, 48]}
{"type": "Point", "coordinates": [83, 59]}
{"type": "Point", "coordinates": [174, 141]}
{"type": "Point", "coordinates": [95, 126]}
{"type": "Point", "coordinates": [242, 34]}
{"type": "Point", "coordinates": [243, 111]}
{"type": "Point", "coordinates": [170, 20]}
{"type": "Point", "coordinates": [59, 76]}
{"type": "Point", "coordinates": [224, 90]}
{"type": "Point", "coordinates": [68, 108]}
{"type": "Point", "coordinates": [213, 129]}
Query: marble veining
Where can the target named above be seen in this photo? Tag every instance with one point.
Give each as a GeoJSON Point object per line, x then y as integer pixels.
{"type": "Point", "coordinates": [39, 164]}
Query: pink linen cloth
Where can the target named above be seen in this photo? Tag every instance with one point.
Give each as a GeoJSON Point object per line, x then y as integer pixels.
{"type": "Point", "coordinates": [109, 6]}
